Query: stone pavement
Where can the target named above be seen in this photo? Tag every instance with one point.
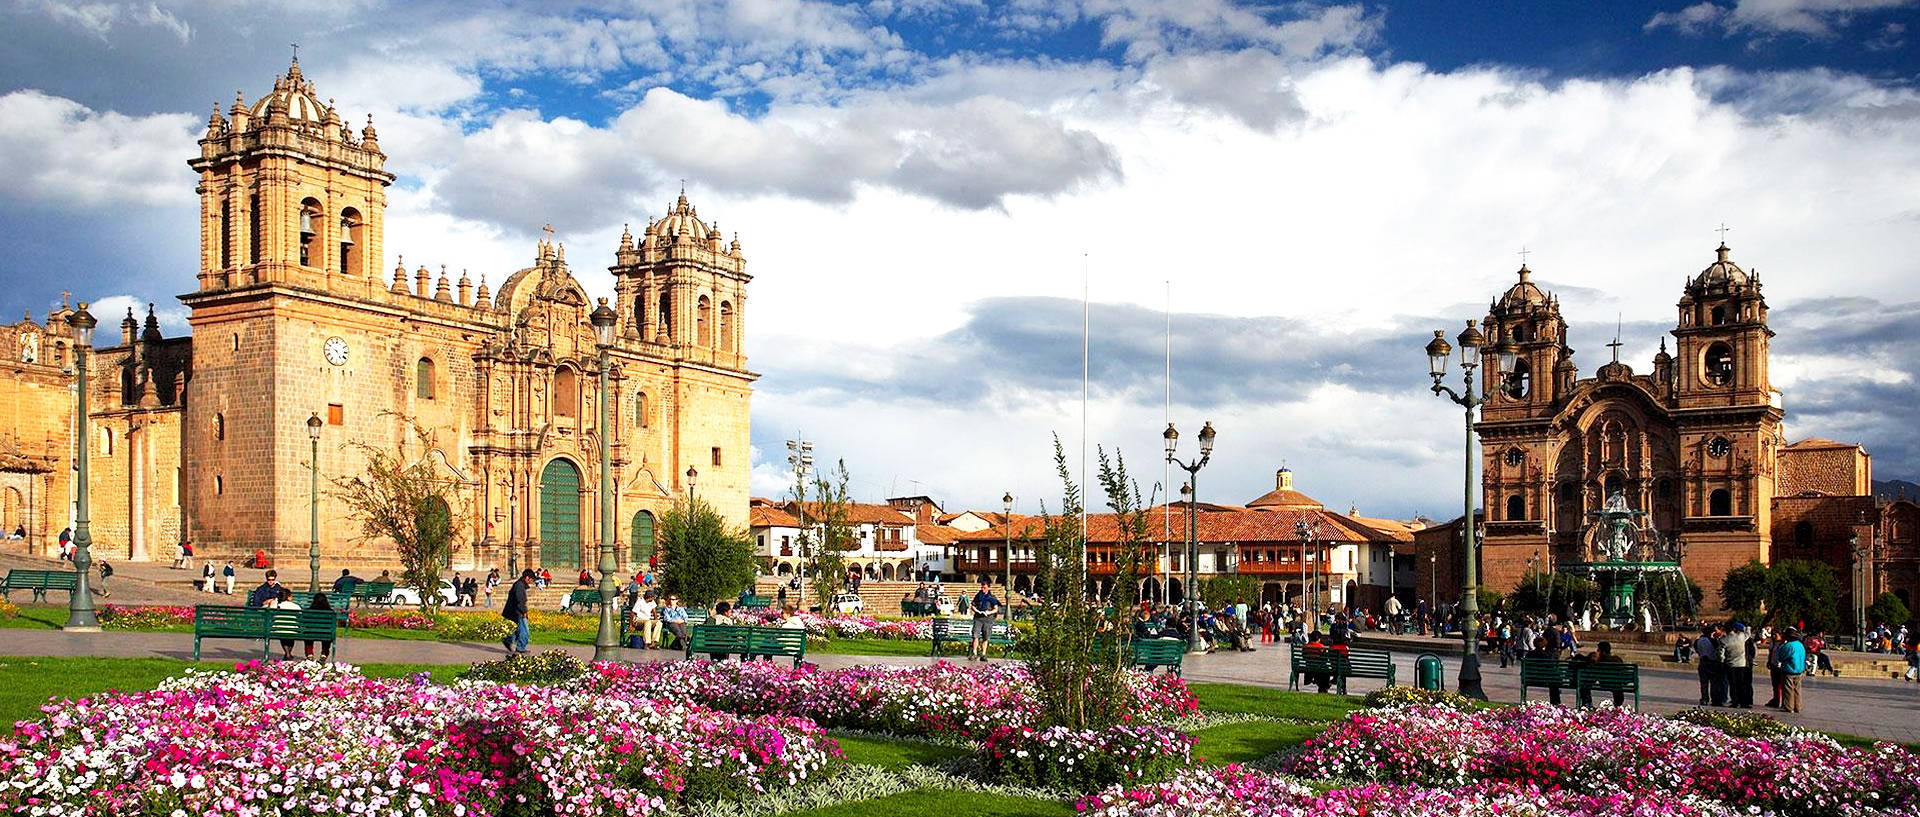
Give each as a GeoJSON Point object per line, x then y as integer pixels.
{"type": "Point", "coordinates": [1880, 709]}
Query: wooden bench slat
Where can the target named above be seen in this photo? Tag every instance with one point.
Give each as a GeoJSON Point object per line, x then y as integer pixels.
{"type": "Point", "coordinates": [263, 623]}
{"type": "Point", "coordinates": [1354, 663]}
{"type": "Point", "coordinates": [747, 641]}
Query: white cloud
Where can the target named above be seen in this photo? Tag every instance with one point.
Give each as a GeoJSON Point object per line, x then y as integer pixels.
{"type": "Point", "coordinates": [100, 19]}
{"type": "Point", "coordinates": [1812, 18]}
{"type": "Point", "coordinates": [57, 153]}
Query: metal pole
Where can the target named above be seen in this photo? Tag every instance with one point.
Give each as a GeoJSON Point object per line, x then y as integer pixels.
{"type": "Point", "coordinates": [606, 645]}
{"type": "Point", "coordinates": [313, 518]}
{"type": "Point", "coordinates": [1193, 556]}
{"type": "Point", "coordinates": [1469, 683]}
{"type": "Point", "coordinates": [80, 616]}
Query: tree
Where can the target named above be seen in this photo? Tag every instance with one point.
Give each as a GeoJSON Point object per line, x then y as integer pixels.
{"type": "Point", "coordinates": [1744, 590]}
{"type": "Point", "coordinates": [403, 500]}
{"type": "Point", "coordinates": [1673, 596]}
{"type": "Point", "coordinates": [1230, 588]}
{"type": "Point", "coordinates": [704, 560]}
{"type": "Point", "coordinates": [1073, 652]}
{"type": "Point", "coordinates": [1804, 593]}
{"type": "Point", "coordinates": [1890, 610]}
{"type": "Point", "coordinates": [832, 514]}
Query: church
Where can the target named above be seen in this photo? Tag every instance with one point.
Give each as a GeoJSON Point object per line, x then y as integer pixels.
{"type": "Point", "coordinates": [295, 317]}
{"type": "Point", "coordinates": [1697, 444]}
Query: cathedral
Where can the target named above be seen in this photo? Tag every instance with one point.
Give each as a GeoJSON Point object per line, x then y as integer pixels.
{"type": "Point", "coordinates": [1696, 444]}
{"type": "Point", "coordinates": [294, 318]}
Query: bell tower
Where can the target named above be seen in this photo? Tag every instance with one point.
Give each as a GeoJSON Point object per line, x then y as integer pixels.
{"type": "Point", "coordinates": [1526, 321]}
{"type": "Point", "coordinates": [1723, 338]}
{"type": "Point", "coordinates": [288, 193]}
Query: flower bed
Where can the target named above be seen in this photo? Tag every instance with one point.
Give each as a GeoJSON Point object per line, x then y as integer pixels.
{"type": "Point", "coordinates": [1608, 750]}
{"type": "Point", "coordinates": [9, 609]}
{"type": "Point", "coordinates": [1085, 759]}
{"type": "Point", "coordinates": [941, 699]}
{"type": "Point", "coordinates": [298, 739]}
{"type": "Point", "coordinates": [1234, 792]}
{"type": "Point", "coordinates": [144, 618]}
{"type": "Point", "coordinates": [847, 626]}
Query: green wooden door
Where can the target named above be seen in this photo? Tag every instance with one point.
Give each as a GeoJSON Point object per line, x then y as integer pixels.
{"type": "Point", "coordinates": [560, 516]}
{"type": "Point", "coordinates": [642, 540]}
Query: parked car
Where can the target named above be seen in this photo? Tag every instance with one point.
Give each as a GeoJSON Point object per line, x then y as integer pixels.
{"type": "Point", "coordinates": [410, 597]}
{"type": "Point", "coordinates": [846, 604]}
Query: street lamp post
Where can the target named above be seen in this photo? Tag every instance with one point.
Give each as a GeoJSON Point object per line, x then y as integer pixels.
{"type": "Point", "coordinates": [693, 476]}
{"type": "Point", "coordinates": [80, 616]}
{"type": "Point", "coordinates": [1006, 556]}
{"type": "Point", "coordinates": [1438, 353]}
{"type": "Point", "coordinates": [800, 459]}
{"type": "Point", "coordinates": [1307, 534]}
{"type": "Point", "coordinates": [1859, 592]}
{"type": "Point", "coordinates": [313, 504]}
{"type": "Point", "coordinates": [606, 645]}
{"type": "Point", "coordinates": [1192, 600]}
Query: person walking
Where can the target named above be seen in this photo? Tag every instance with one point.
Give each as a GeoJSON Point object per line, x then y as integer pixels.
{"type": "Point", "coordinates": [106, 572]}
{"type": "Point", "coordinates": [1793, 663]}
{"type": "Point", "coordinates": [493, 581]}
{"type": "Point", "coordinates": [516, 612]}
{"type": "Point", "coordinates": [986, 608]}
{"type": "Point", "coordinates": [206, 578]}
{"type": "Point", "coordinates": [1739, 667]}
{"type": "Point", "coordinates": [228, 573]}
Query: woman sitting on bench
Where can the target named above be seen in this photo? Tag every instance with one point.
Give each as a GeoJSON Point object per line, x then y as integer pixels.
{"type": "Point", "coordinates": [320, 602]}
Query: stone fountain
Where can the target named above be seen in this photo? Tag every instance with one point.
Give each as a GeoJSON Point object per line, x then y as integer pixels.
{"type": "Point", "coordinates": [1619, 551]}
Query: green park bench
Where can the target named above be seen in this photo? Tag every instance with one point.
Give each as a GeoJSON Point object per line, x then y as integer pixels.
{"type": "Point", "coordinates": [583, 597]}
{"type": "Point", "coordinates": [753, 601]}
{"type": "Point", "coordinates": [1607, 677]}
{"type": "Point", "coordinates": [39, 581]}
{"type": "Point", "coordinates": [263, 624]}
{"type": "Point", "coordinates": [960, 631]}
{"type": "Point", "coordinates": [1341, 668]}
{"type": "Point", "coordinates": [376, 593]}
{"type": "Point", "coordinates": [1149, 653]}
{"type": "Point", "coordinates": [338, 601]}
{"type": "Point", "coordinates": [747, 642]}
{"type": "Point", "coordinates": [1545, 673]}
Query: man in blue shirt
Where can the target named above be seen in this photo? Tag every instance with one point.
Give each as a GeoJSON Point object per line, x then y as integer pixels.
{"type": "Point", "coordinates": [266, 593]}
{"type": "Point", "coordinates": [1793, 662]}
{"type": "Point", "coordinates": [985, 609]}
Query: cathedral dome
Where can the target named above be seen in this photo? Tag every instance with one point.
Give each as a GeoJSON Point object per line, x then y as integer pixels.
{"type": "Point", "coordinates": [680, 218]}
{"type": "Point", "coordinates": [294, 94]}
{"type": "Point", "coordinates": [1722, 271]}
{"type": "Point", "coordinates": [1525, 293]}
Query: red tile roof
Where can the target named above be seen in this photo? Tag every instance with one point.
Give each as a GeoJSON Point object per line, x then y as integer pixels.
{"type": "Point", "coordinates": [1238, 525]}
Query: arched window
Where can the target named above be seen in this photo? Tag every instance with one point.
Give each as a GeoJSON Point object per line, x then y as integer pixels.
{"type": "Point", "coordinates": [351, 235]}
{"type": "Point", "coordinates": [640, 410]}
{"type": "Point", "coordinates": [1720, 503]}
{"type": "Point", "coordinates": [254, 220]}
{"type": "Point", "coordinates": [1803, 534]}
{"type": "Point", "coordinates": [423, 379]}
{"type": "Point", "coordinates": [666, 315]}
{"type": "Point", "coordinates": [1516, 508]}
{"type": "Point", "coordinates": [106, 441]}
{"type": "Point", "coordinates": [1615, 484]}
{"type": "Point", "coordinates": [1719, 315]}
{"type": "Point", "coordinates": [311, 221]}
{"type": "Point", "coordinates": [703, 323]}
{"type": "Point", "coordinates": [219, 426]}
{"type": "Point", "coordinates": [1520, 382]}
{"type": "Point", "coordinates": [226, 234]}
{"type": "Point", "coordinates": [641, 539]}
{"type": "Point", "coordinates": [1717, 364]}
{"type": "Point", "coordinates": [566, 393]}
{"type": "Point", "coordinates": [726, 326]}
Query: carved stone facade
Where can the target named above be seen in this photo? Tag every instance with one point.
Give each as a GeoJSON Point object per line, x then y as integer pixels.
{"type": "Point", "coordinates": [292, 319]}
{"type": "Point", "coordinates": [1695, 444]}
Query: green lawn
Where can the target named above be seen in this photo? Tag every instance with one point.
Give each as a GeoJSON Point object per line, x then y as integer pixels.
{"type": "Point", "coordinates": [1247, 742]}
{"type": "Point", "coordinates": [938, 803]}
{"type": "Point", "coordinates": [30, 682]}
{"type": "Point", "coordinates": [1273, 703]}
{"type": "Point", "coordinates": [894, 754]}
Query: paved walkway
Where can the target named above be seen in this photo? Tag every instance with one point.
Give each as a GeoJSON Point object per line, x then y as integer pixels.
{"type": "Point", "coordinates": [1871, 708]}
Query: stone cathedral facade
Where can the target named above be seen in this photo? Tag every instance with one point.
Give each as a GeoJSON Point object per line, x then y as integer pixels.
{"type": "Point", "coordinates": [296, 314]}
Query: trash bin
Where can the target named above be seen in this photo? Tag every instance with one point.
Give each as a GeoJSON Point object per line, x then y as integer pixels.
{"type": "Point", "coordinates": [1427, 671]}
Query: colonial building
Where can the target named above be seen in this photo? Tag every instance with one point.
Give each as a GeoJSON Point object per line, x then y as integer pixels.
{"type": "Point", "coordinates": [889, 544]}
{"type": "Point", "coordinates": [205, 438]}
{"type": "Point", "coordinates": [1697, 444]}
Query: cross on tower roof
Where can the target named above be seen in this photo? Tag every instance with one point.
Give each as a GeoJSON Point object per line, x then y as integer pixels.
{"type": "Point", "coordinates": [549, 231]}
{"type": "Point", "coordinates": [1523, 255]}
{"type": "Point", "coordinates": [1724, 229]}
{"type": "Point", "coordinates": [1615, 345]}
{"type": "Point", "coordinates": [296, 52]}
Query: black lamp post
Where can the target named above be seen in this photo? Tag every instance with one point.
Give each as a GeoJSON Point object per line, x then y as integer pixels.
{"type": "Point", "coordinates": [313, 504]}
{"type": "Point", "coordinates": [1308, 534]}
{"type": "Point", "coordinates": [80, 616]}
{"type": "Point", "coordinates": [1192, 600]}
{"type": "Point", "coordinates": [1438, 352]}
{"type": "Point", "coordinates": [606, 644]}
{"type": "Point", "coordinates": [693, 476]}
{"type": "Point", "coordinates": [1007, 556]}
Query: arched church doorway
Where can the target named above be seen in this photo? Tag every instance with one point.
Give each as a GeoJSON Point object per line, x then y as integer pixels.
{"type": "Point", "coordinates": [560, 516]}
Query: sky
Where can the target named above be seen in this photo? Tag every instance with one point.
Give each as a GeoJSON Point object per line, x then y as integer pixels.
{"type": "Point", "coordinates": [1290, 195]}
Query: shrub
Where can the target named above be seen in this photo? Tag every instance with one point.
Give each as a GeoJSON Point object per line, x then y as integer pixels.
{"type": "Point", "coordinates": [1414, 696]}
{"type": "Point", "coordinates": [546, 669]}
{"type": "Point", "coordinates": [9, 609]}
{"type": "Point", "coordinates": [1737, 724]}
{"type": "Point", "coordinates": [1085, 760]}
{"type": "Point", "coordinates": [470, 627]}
